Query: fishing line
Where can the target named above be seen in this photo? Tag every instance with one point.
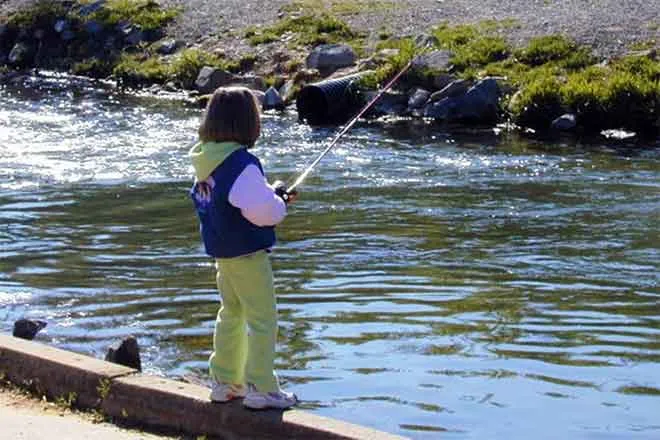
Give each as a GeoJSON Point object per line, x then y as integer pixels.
{"type": "Point", "coordinates": [350, 124]}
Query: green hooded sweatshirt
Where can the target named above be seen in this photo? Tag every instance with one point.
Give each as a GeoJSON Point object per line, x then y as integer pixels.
{"type": "Point", "coordinates": [206, 156]}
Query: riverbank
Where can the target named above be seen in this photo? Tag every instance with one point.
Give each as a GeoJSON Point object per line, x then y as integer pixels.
{"type": "Point", "coordinates": [122, 394]}
{"type": "Point", "coordinates": [502, 69]}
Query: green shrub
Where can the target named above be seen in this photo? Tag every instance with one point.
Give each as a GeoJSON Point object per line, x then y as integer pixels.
{"type": "Point", "coordinates": [538, 103]}
{"type": "Point", "coordinates": [541, 50]}
{"type": "Point", "coordinates": [42, 14]}
{"type": "Point", "coordinates": [135, 71]}
{"type": "Point", "coordinates": [145, 13]}
{"type": "Point", "coordinates": [186, 65]}
{"type": "Point", "coordinates": [406, 50]}
{"type": "Point", "coordinates": [93, 67]}
{"type": "Point", "coordinates": [472, 46]}
{"type": "Point", "coordinates": [308, 29]}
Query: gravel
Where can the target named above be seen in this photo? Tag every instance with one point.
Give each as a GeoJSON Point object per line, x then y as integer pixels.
{"type": "Point", "coordinates": [609, 26]}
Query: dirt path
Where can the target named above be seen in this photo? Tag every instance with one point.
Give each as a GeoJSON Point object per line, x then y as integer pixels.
{"type": "Point", "coordinates": [24, 417]}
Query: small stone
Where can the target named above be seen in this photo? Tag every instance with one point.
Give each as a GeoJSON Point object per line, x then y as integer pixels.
{"type": "Point", "coordinates": [167, 47]}
{"type": "Point", "coordinates": [272, 100]}
{"type": "Point", "coordinates": [565, 122]}
{"type": "Point", "coordinates": [418, 98]}
{"type": "Point", "coordinates": [60, 25]}
{"type": "Point", "coordinates": [28, 328]}
{"type": "Point", "coordinates": [126, 352]}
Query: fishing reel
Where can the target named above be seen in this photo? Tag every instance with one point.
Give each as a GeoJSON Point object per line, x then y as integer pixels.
{"type": "Point", "coordinates": [281, 191]}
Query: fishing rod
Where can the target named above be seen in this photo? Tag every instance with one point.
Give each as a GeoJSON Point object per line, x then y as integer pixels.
{"type": "Point", "coordinates": [290, 189]}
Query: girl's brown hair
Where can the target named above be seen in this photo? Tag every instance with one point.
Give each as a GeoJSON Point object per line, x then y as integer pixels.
{"type": "Point", "coordinates": [231, 114]}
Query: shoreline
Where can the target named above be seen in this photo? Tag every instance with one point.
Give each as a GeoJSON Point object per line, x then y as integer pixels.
{"type": "Point", "coordinates": [128, 397]}
{"type": "Point", "coordinates": [460, 74]}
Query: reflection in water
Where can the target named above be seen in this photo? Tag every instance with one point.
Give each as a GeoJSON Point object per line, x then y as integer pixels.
{"type": "Point", "coordinates": [431, 284]}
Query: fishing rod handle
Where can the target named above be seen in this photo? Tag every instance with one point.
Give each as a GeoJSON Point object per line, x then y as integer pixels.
{"type": "Point", "coordinates": [282, 192]}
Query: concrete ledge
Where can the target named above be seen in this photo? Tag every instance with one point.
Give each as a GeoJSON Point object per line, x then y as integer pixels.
{"type": "Point", "coordinates": [56, 373]}
{"type": "Point", "coordinates": [157, 402]}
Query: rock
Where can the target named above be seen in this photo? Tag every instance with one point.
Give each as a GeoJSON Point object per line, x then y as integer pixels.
{"type": "Point", "coordinates": [304, 76]}
{"type": "Point", "coordinates": [425, 40]}
{"type": "Point", "coordinates": [455, 88]}
{"type": "Point", "coordinates": [255, 82]}
{"type": "Point", "coordinates": [390, 103]}
{"type": "Point", "coordinates": [480, 104]}
{"type": "Point", "coordinates": [440, 110]}
{"type": "Point", "coordinates": [418, 99]}
{"type": "Point", "coordinates": [272, 100]}
{"type": "Point", "coordinates": [330, 57]}
{"type": "Point", "coordinates": [287, 90]}
{"type": "Point", "coordinates": [126, 352]}
{"type": "Point", "coordinates": [170, 87]}
{"type": "Point", "coordinates": [60, 25]}
{"type": "Point", "coordinates": [442, 80]}
{"type": "Point", "coordinates": [67, 35]}
{"type": "Point", "coordinates": [28, 328]}
{"type": "Point", "coordinates": [133, 35]}
{"type": "Point", "coordinates": [6, 41]}
{"type": "Point", "coordinates": [21, 54]}
{"type": "Point", "coordinates": [438, 60]}
{"type": "Point", "coordinates": [168, 47]}
{"type": "Point", "coordinates": [91, 8]}
{"type": "Point", "coordinates": [210, 78]}
{"type": "Point", "coordinates": [565, 122]}
{"type": "Point", "coordinates": [259, 95]}
{"type": "Point", "coordinates": [93, 27]}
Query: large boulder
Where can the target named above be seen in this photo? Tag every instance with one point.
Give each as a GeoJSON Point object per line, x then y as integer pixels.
{"type": "Point", "coordinates": [456, 88]}
{"type": "Point", "coordinates": [479, 105]}
{"type": "Point", "coordinates": [389, 103]}
{"type": "Point", "coordinates": [327, 58]}
{"type": "Point", "coordinates": [438, 60]}
{"type": "Point", "coordinates": [210, 78]}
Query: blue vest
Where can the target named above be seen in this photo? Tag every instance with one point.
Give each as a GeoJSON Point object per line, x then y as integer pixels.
{"type": "Point", "coordinates": [225, 232]}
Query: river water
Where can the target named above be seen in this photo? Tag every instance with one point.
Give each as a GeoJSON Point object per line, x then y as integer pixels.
{"type": "Point", "coordinates": [432, 284]}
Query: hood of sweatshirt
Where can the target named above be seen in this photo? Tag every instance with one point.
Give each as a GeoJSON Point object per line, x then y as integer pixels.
{"type": "Point", "coordinates": [206, 156]}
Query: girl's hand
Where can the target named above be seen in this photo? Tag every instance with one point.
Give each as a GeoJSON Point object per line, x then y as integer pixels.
{"type": "Point", "coordinates": [280, 189]}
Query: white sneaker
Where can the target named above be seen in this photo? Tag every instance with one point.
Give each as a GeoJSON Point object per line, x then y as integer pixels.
{"type": "Point", "coordinates": [224, 392]}
{"type": "Point", "coordinates": [276, 399]}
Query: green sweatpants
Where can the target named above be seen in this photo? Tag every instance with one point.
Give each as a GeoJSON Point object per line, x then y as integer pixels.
{"type": "Point", "coordinates": [248, 302]}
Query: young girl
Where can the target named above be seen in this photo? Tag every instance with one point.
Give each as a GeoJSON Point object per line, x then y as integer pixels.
{"type": "Point", "coordinates": [238, 210]}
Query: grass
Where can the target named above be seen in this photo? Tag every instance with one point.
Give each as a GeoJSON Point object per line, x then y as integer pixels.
{"type": "Point", "coordinates": [338, 7]}
{"type": "Point", "coordinates": [40, 14]}
{"type": "Point", "coordinates": [305, 30]}
{"type": "Point", "coordinates": [147, 14]}
{"type": "Point", "coordinates": [134, 70]}
{"type": "Point", "coordinates": [622, 94]}
{"type": "Point", "coordinates": [406, 49]}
